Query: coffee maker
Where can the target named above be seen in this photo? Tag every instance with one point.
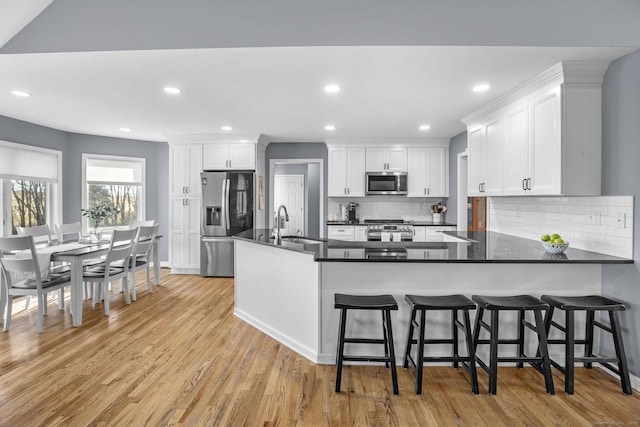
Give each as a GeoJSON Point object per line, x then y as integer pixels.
{"type": "Point", "coordinates": [348, 213]}
{"type": "Point", "coordinates": [352, 213]}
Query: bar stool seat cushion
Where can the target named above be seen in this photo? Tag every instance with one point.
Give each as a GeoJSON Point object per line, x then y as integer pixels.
{"type": "Point", "coordinates": [366, 302]}
{"type": "Point", "coordinates": [516, 302]}
{"type": "Point", "coordinates": [439, 302]}
{"type": "Point", "coordinates": [586, 302]}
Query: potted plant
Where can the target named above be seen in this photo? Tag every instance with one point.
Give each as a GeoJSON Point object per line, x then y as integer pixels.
{"type": "Point", "coordinates": [98, 213]}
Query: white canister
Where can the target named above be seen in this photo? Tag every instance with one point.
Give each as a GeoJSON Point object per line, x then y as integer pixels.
{"type": "Point", "coordinates": [344, 212]}
{"type": "Point", "coordinates": [437, 217]}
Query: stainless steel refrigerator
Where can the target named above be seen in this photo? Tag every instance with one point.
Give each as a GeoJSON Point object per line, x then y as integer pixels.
{"type": "Point", "coordinates": [227, 209]}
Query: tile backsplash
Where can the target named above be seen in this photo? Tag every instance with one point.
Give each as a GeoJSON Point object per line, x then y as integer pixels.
{"type": "Point", "coordinates": [389, 207]}
{"type": "Point", "coordinates": [598, 224]}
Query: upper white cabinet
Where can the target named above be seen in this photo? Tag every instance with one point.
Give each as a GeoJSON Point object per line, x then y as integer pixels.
{"type": "Point", "coordinates": [544, 137]}
{"type": "Point", "coordinates": [485, 144]}
{"type": "Point", "coordinates": [346, 171]}
{"type": "Point", "coordinates": [392, 159]}
{"type": "Point", "coordinates": [428, 172]}
{"type": "Point", "coordinates": [229, 156]}
{"type": "Point", "coordinates": [185, 165]}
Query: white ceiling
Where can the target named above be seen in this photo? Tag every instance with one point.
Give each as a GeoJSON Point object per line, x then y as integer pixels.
{"type": "Point", "coordinates": [387, 92]}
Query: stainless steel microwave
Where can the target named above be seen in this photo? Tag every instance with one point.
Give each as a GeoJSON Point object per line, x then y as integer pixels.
{"type": "Point", "coordinates": [386, 183]}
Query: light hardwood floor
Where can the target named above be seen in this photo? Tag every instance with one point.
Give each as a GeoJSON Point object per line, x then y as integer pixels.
{"type": "Point", "coordinates": [179, 357]}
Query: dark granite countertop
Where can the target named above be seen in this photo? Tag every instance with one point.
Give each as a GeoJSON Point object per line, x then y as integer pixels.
{"type": "Point", "coordinates": [478, 247]}
{"type": "Point", "coordinates": [416, 223]}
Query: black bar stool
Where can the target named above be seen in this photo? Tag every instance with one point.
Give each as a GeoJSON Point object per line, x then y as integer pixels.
{"type": "Point", "coordinates": [453, 303]}
{"type": "Point", "coordinates": [384, 303]}
{"type": "Point", "coordinates": [520, 303]}
{"type": "Point", "coordinates": [590, 304]}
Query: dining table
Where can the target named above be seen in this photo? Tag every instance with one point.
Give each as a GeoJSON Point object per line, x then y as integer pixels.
{"type": "Point", "coordinates": [75, 258]}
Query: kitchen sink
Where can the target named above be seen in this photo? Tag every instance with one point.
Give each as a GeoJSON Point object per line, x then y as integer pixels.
{"type": "Point", "coordinates": [299, 240]}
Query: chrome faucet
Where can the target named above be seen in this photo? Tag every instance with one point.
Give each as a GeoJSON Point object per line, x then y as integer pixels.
{"type": "Point", "coordinates": [279, 223]}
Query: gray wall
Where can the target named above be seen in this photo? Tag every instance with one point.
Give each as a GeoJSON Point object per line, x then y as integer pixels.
{"type": "Point", "coordinates": [457, 145]}
{"type": "Point", "coordinates": [620, 176]}
{"type": "Point", "coordinates": [73, 145]}
{"type": "Point", "coordinates": [81, 25]}
{"type": "Point", "coordinates": [301, 151]}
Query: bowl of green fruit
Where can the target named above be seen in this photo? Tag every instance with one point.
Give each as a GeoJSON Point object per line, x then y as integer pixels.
{"type": "Point", "coordinates": [553, 243]}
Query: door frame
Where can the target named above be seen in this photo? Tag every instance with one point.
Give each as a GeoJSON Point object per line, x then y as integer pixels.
{"type": "Point", "coordinates": [304, 201]}
{"type": "Point", "coordinates": [320, 162]}
{"type": "Point", "coordinates": [462, 188]}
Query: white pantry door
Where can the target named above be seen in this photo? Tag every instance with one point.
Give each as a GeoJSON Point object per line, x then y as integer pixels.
{"type": "Point", "coordinates": [288, 190]}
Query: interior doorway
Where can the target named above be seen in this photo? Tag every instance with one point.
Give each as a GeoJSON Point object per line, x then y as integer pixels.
{"type": "Point", "coordinates": [288, 190]}
{"type": "Point", "coordinates": [314, 204]}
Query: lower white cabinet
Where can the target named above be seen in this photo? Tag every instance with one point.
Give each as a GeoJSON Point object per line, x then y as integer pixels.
{"type": "Point", "coordinates": [346, 253]}
{"type": "Point", "coordinates": [431, 233]}
{"type": "Point", "coordinates": [184, 235]}
{"type": "Point", "coordinates": [349, 233]}
{"type": "Point", "coordinates": [427, 253]}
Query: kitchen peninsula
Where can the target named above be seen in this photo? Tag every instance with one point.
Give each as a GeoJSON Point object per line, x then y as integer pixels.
{"type": "Point", "coordinates": [287, 290]}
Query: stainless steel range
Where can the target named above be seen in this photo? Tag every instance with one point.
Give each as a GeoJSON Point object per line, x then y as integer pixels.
{"type": "Point", "coordinates": [389, 230]}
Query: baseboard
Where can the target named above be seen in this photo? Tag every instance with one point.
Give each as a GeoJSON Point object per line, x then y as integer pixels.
{"type": "Point", "coordinates": [276, 335]}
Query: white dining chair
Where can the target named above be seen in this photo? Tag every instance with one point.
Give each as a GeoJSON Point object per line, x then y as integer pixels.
{"type": "Point", "coordinates": [141, 256]}
{"type": "Point", "coordinates": [114, 267]}
{"type": "Point", "coordinates": [22, 277]}
{"type": "Point", "coordinates": [41, 233]}
{"type": "Point", "coordinates": [137, 223]}
{"type": "Point", "coordinates": [66, 232]}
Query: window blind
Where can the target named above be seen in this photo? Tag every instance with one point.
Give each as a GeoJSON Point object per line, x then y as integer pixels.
{"type": "Point", "coordinates": [114, 171]}
{"type": "Point", "coordinates": [19, 161]}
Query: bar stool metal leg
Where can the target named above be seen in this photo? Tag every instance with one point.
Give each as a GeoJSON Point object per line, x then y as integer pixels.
{"type": "Point", "coordinates": [569, 355]}
{"type": "Point", "coordinates": [473, 374]}
{"type": "Point", "coordinates": [544, 352]}
{"type": "Point", "coordinates": [410, 340]}
{"type": "Point", "coordinates": [493, 352]}
{"type": "Point", "coordinates": [622, 357]}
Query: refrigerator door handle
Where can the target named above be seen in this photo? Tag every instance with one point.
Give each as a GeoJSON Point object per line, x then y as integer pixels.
{"type": "Point", "coordinates": [225, 203]}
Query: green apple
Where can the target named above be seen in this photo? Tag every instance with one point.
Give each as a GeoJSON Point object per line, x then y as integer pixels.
{"type": "Point", "coordinates": [555, 236]}
{"type": "Point", "coordinates": [545, 238]}
{"type": "Point", "coordinates": [558, 241]}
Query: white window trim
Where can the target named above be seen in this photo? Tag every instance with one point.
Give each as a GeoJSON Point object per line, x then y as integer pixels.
{"type": "Point", "coordinates": [55, 196]}
{"type": "Point", "coordinates": [143, 200]}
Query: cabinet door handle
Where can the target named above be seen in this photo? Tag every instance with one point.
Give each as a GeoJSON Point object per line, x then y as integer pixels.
{"type": "Point", "coordinates": [229, 163]}
{"type": "Point", "coordinates": [524, 183]}
{"type": "Point", "coordinates": [186, 202]}
{"type": "Point", "coordinates": [428, 191]}
{"type": "Point", "coordinates": [425, 191]}
{"type": "Point", "coordinates": [186, 190]}
{"type": "Point", "coordinates": [348, 190]}
{"type": "Point", "coordinates": [529, 184]}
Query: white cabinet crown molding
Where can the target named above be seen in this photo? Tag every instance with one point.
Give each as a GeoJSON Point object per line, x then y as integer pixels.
{"type": "Point", "coordinates": [579, 73]}
{"type": "Point", "coordinates": [389, 142]}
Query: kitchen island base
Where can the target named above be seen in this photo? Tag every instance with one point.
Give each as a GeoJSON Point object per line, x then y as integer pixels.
{"type": "Point", "coordinates": [290, 296]}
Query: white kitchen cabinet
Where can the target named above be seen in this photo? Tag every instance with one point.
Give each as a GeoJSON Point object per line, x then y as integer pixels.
{"type": "Point", "coordinates": [547, 135]}
{"type": "Point", "coordinates": [427, 253]}
{"type": "Point", "coordinates": [185, 165]}
{"type": "Point", "coordinates": [380, 159]}
{"type": "Point", "coordinates": [428, 172]}
{"type": "Point", "coordinates": [431, 233]}
{"type": "Point", "coordinates": [346, 171]}
{"type": "Point", "coordinates": [221, 156]}
{"type": "Point", "coordinates": [360, 233]}
{"type": "Point", "coordinates": [342, 232]}
{"type": "Point", "coordinates": [346, 253]}
{"type": "Point", "coordinates": [184, 234]}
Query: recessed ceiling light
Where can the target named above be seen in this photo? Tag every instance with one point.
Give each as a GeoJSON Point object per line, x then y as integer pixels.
{"type": "Point", "coordinates": [125, 129]}
{"type": "Point", "coordinates": [21, 93]}
{"type": "Point", "coordinates": [332, 88]}
{"type": "Point", "coordinates": [481, 88]}
{"type": "Point", "coordinates": [329, 127]}
{"type": "Point", "coordinates": [226, 128]}
{"type": "Point", "coordinates": [425, 127]}
{"type": "Point", "coordinates": [172, 90]}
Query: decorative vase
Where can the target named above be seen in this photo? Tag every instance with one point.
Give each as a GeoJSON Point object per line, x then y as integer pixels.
{"type": "Point", "coordinates": [97, 233]}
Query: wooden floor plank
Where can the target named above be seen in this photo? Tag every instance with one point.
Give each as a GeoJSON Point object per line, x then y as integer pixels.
{"type": "Point", "coordinates": [179, 357]}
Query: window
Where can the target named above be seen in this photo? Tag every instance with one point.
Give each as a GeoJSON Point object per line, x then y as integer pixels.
{"type": "Point", "coordinates": [29, 186]}
{"type": "Point", "coordinates": [115, 181]}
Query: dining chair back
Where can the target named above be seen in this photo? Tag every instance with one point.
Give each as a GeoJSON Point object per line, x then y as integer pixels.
{"type": "Point", "coordinates": [40, 233]}
{"type": "Point", "coordinates": [22, 277]}
{"type": "Point", "coordinates": [115, 266]}
{"type": "Point", "coordinates": [137, 223]}
{"type": "Point", "coordinates": [141, 255]}
{"type": "Point", "coordinates": [66, 232]}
